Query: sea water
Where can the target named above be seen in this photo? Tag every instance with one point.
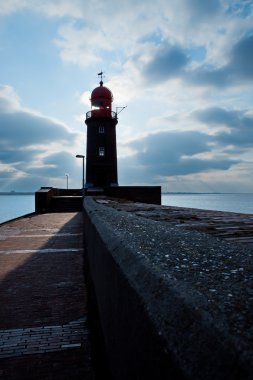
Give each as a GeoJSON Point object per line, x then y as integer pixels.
{"type": "Point", "coordinates": [13, 206]}
{"type": "Point", "coordinates": [242, 203]}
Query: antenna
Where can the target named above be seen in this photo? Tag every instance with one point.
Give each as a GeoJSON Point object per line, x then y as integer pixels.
{"type": "Point", "coordinates": [121, 109]}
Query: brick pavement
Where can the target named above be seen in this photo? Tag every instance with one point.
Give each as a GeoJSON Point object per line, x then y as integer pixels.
{"type": "Point", "coordinates": [43, 313]}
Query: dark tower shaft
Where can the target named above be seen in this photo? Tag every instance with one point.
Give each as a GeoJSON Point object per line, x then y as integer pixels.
{"type": "Point", "coordinates": [101, 154]}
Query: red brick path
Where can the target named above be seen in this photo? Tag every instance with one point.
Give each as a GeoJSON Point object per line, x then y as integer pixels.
{"type": "Point", "coordinates": [43, 329]}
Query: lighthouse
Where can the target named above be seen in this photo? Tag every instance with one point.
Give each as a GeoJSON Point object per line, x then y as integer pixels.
{"type": "Point", "coordinates": [101, 147]}
{"type": "Point", "coordinates": [101, 159]}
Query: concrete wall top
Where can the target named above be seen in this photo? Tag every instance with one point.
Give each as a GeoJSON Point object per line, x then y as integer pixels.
{"type": "Point", "coordinates": [196, 289]}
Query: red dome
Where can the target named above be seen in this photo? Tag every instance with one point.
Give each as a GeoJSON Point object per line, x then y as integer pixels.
{"type": "Point", "coordinates": [102, 93]}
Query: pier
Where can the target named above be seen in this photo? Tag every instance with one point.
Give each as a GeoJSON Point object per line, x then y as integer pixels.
{"type": "Point", "coordinates": [43, 315]}
{"type": "Point", "coordinates": [171, 290]}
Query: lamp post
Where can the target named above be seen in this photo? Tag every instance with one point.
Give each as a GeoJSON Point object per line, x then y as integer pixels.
{"type": "Point", "coordinates": [83, 157]}
{"type": "Point", "coordinates": [67, 178]}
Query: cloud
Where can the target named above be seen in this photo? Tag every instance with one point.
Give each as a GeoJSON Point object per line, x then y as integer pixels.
{"type": "Point", "coordinates": [31, 144]}
{"type": "Point", "coordinates": [87, 41]}
{"type": "Point", "coordinates": [168, 62]}
{"type": "Point", "coordinates": [239, 125]}
{"type": "Point", "coordinates": [59, 163]}
{"type": "Point", "coordinates": [164, 154]}
{"type": "Point", "coordinates": [217, 116]}
{"type": "Point", "coordinates": [81, 45]}
{"type": "Point", "coordinates": [172, 61]}
{"type": "Point", "coordinates": [172, 144]}
{"type": "Point", "coordinates": [57, 8]}
{"type": "Point", "coordinates": [242, 58]}
{"type": "Point", "coordinates": [203, 9]}
{"type": "Point", "coordinates": [186, 154]}
{"type": "Point", "coordinates": [24, 128]}
{"type": "Point", "coordinates": [183, 66]}
{"type": "Point", "coordinates": [210, 76]}
{"type": "Point", "coordinates": [238, 69]}
{"type": "Point", "coordinates": [9, 100]}
{"type": "Point", "coordinates": [17, 155]}
{"type": "Point", "coordinates": [10, 6]}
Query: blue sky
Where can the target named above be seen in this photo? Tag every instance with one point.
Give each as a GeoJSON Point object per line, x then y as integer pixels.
{"type": "Point", "coordinates": [183, 68]}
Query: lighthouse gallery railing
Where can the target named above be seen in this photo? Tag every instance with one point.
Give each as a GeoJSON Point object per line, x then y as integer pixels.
{"type": "Point", "coordinates": [101, 113]}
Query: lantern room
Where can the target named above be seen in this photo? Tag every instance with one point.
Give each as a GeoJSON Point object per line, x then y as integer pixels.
{"type": "Point", "coordinates": [101, 102]}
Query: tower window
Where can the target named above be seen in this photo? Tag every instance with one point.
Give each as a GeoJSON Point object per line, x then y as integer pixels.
{"type": "Point", "coordinates": [101, 151]}
{"type": "Point", "coordinates": [101, 129]}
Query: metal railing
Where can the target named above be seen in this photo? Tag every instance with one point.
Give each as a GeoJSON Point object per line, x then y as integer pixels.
{"type": "Point", "coordinates": [101, 113]}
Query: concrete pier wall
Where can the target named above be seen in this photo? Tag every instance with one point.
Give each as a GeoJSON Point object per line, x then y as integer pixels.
{"type": "Point", "coordinates": [157, 326]}
{"type": "Point", "coordinates": [144, 194]}
{"type": "Point", "coordinates": [44, 197]}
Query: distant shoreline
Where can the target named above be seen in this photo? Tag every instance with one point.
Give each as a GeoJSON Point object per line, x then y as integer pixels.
{"type": "Point", "coordinates": [17, 192]}
{"type": "Point", "coordinates": [193, 193]}
{"type": "Point", "coordinates": [163, 193]}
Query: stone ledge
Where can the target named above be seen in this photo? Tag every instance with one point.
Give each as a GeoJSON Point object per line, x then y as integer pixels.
{"type": "Point", "coordinates": [159, 321]}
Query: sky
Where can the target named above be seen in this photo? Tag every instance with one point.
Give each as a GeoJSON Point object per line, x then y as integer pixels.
{"type": "Point", "coordinates": [182, 68]}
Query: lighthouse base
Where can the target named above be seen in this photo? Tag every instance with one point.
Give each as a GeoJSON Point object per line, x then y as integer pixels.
{"type": "Point", "coordinates": [46, 197]}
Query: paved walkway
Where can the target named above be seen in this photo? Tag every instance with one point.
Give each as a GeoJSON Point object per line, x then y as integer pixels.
{"type": "Point", "coordinates": [43, 326]}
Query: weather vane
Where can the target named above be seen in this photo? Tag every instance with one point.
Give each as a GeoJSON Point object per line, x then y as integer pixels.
{"type": "Point", "coordinates": [101, 75]}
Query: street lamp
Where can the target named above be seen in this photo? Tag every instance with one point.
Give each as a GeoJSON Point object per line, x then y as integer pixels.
{"type": "Point", "coordinates": [67, 178]}
{"type": "Point", "coordinates": [83, 157]}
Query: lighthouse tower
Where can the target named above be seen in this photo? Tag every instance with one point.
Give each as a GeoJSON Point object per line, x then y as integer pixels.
{"type": "Point", "coordinates": [101, 151]}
